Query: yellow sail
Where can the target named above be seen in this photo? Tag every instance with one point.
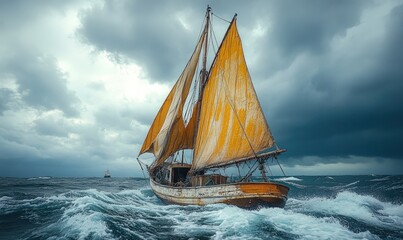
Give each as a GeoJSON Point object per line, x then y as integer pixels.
{"type": "Point", "coordinates": [168, 134]}
{"type": "Point", "coordinates": [232, 126]}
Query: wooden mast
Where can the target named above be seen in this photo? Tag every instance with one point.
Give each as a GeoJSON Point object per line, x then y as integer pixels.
{"type": "Point", "coordinates": [206, 29]}
{"type": "Point", "coordinates": [204, 73]}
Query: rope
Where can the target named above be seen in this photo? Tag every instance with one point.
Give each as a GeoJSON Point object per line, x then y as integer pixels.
{"type": "Point", "coordinates": [142, 170]}
{"type": "Point", "coordinates": [269, 169]}
{"type": "Point", "coordinates": [213, 38]}
{"type": "Point", "coordinates": [250, 172]}
{"type": "Point", "coordinates": [226, 93]}
{"type": "Point", "coordinates": [280, 167]}
{"type": "Point", "coordinates": [225, 20]}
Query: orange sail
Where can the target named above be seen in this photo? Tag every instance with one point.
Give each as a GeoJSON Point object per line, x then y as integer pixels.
{"type": "Point", "coordinates": [232, 126]}
{"type": "Point", "coordinates": [168, 134]}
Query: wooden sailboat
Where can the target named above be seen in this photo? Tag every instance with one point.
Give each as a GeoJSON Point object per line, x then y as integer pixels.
{"type": "Point", "coordinates": [221, 122]}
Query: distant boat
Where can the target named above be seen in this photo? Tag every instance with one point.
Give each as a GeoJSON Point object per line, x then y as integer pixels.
{"type": "Point", "coordinates": [107, 174]}
{"type": "Point", "coordinates": [222, 121]}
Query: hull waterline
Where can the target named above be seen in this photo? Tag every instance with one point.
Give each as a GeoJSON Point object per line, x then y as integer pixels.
{"type": "Point", "coordinates": [245, 195]}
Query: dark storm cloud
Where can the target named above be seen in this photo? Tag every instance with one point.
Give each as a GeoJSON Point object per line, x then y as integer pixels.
{"type": "Point", "coordinates": [139, 30]}
{"type": "Point", "coordinates": [353, 106]}
{"type": "Point", "coordinates": [150, 33]}
{"type": "Point", "coordinates": [298, 26]}
{"type": "Point", "coordinates": [40, 82]}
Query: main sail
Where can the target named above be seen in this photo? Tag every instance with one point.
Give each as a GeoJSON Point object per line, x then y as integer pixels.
{"type": "Point", "coordinates": [168, 133]}
{"type": "Point", "coordinates": [232, 126]}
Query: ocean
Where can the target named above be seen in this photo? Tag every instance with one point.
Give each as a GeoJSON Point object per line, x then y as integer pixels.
{"type": "Point", "coordinates": [319, 207]}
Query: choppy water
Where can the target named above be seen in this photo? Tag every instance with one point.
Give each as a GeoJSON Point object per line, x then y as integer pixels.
{"type": "Point", "coordinates": [337, 207]}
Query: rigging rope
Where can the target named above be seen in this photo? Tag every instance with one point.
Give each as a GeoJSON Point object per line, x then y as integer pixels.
{"type": "Point", "coordinates": [280, 167]}
{"type": "Point", "coordinates": [142, 170]}
{"type": "Point", "coordinates": [213, 38]}
{"type": "Point", "coordinates": [226, 93]}
{"type": "Point", "coordinates": [225, 20]}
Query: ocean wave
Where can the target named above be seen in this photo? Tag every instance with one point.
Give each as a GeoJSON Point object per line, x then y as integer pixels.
{"type": "Point", "coordinates": [343, 187]}
{"type": "Point", "coordinates": [291, 181]}
{"type": "Point", "coordinates": [380, 179]}
{"type": "Point", "coordinates": [296, 184]}
{"type": "Point", "coordinates": [305, 226]}
{"type": "Point", "coordinates": [89, 213]}
{"type": "Point", "coordinates": [138, 214]}
{"type": "Point", "coordinates": [5, 198]}
{"type": "Point", "coordinates": [223, 222]}
{"type": "Point", "coordinates": [363, 208]}
{"type": "Point", "coordinates": [351, 184]}
{"type": "Point", "coordinates": [395, 188]}
{"type": "Point", "coordinates": [37, 178]}
{"type": "Point", "coordinates": [287, 179]}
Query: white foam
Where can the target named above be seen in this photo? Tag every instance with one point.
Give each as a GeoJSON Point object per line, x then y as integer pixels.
{"type": "Point", "coordinates": [79, 221]}
{"type": "Point", "coordinates": [3, 203]}
{"type": "Point", "coordinates": [310, 227]}
{"type": "Point", "coordinates": [360, 207]}
{"type": "Point", "coordinates": [296, 185]}
{"type": "Point", "coordinates": [85, 225]}
{"type": "Point", "coordinates": [287, 179]}
{"type": "Point", "coordinates": [379, 179]}
{"type": "Point", "coordinates": [36, 178]}
{"type": "Point", "coordinates": [229, 222]}
{"type": "Point", "coordinates": [5, 198]}
{"type": "Point", "coordinates": [351, 184]}
{"type": "Point", "coordinates": [395, 187]}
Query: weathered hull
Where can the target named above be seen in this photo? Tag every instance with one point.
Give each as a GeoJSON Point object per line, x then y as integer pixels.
{"type": "Point", "coordinates": [246, 195]}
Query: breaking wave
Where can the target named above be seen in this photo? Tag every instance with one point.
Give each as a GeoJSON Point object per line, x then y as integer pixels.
{"type": "Point", "coordinates": [134, 212]}
{"type": "Point", "coordinates": [288, 179]}
{"type": "Point", "coordinates": [36, 178]}
{"type": "Point", "coordinates": [94, 214]}
{"type": "Point", "coordinates": [362, 208]}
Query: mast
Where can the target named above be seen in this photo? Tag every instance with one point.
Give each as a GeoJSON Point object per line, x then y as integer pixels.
{"type": "Point", "coordinates": [204, 73]}
{"type": "Point", "coordinates": [236, 112]}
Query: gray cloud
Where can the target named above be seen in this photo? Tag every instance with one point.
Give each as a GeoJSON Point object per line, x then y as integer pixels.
{"type": "Point", "coordinates": [6, 97]}
{"type": "Point", "coordinates": [51, 127]}
{"type": "Point", "coordinates": [142, 31]}
{"type": "Point", "coordinates": [40, 82]}
{"type": "Point", "coordinates": [298, 26]}
{"type": "Point", "coordinates": [159, 37]}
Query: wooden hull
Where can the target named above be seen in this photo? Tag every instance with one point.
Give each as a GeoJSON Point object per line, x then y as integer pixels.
{"type": "Point", "coordinates": [245, 195]}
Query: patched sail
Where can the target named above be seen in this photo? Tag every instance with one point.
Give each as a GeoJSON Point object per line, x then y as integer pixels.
{"type": "Point", "coordinates": [232, 126]}
{"type": "Point", "coordinates": [168, 133]}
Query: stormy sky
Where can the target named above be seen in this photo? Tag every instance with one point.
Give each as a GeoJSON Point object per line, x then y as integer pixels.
{"type": "Point", "coordinates": [81, 81]}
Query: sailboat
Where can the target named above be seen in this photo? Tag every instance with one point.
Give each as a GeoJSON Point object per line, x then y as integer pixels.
{"type": "Point", "coordinates": [107, 174]}
{"type": "Point", "coordinates": [216, 118]}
